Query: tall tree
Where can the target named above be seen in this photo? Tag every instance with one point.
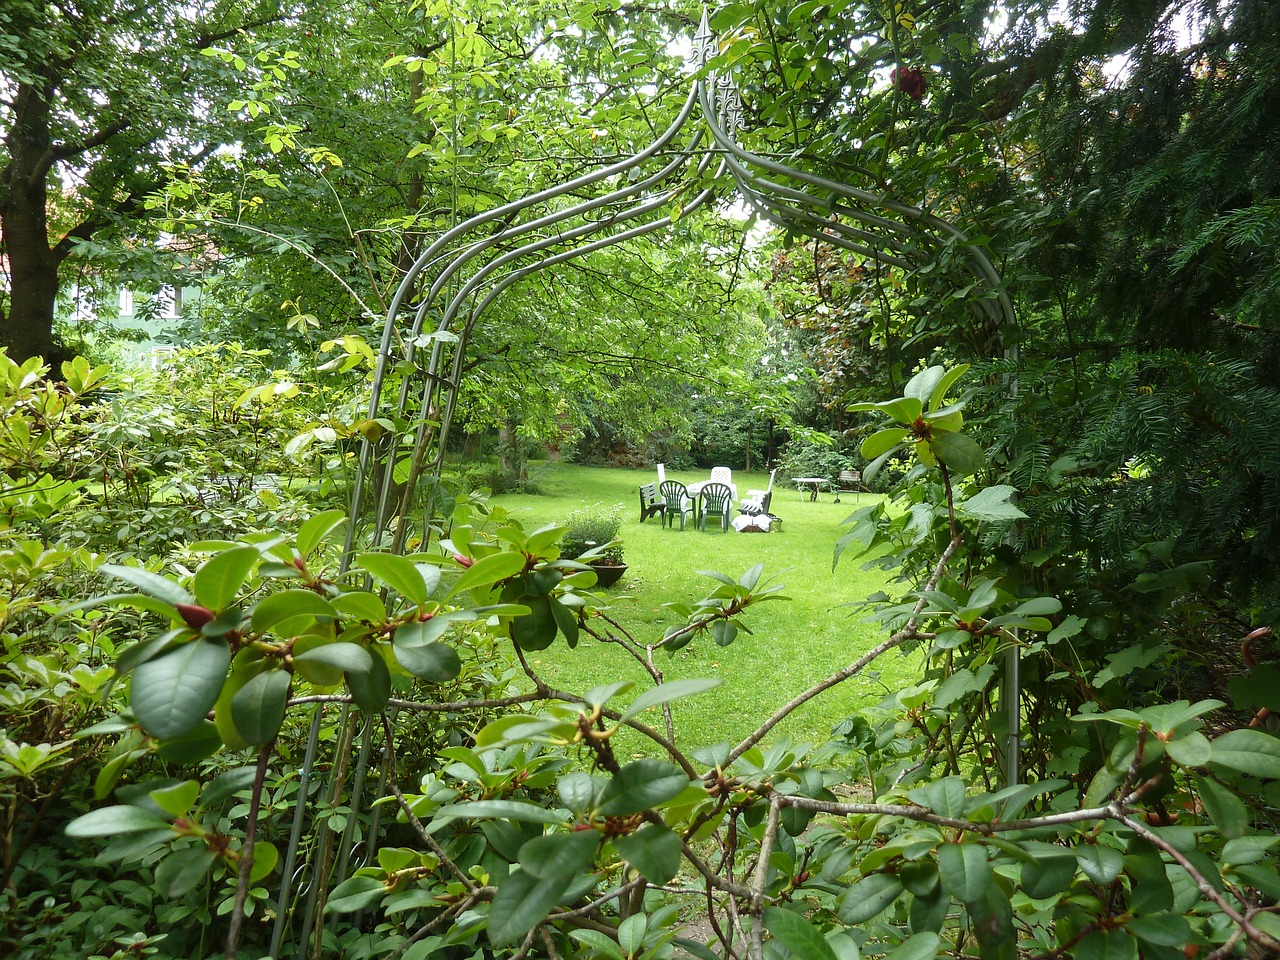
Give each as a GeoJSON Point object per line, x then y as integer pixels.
{"type": "Point", "coordinates": [97, 98]}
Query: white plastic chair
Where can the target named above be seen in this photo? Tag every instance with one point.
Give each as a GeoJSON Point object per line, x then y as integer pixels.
{"type": "Point", "coordinates": [756, 502]}
{"type": "Point", "coordinates": [722, 475]}
{"type": "Point", "coordinates": [761, 494]}
{"type": "Point", "coordinates": [662, 474]}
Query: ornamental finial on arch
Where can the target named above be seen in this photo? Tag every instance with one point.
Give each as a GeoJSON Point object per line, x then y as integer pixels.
{"type": "Point", "coordinates": [704, 41]}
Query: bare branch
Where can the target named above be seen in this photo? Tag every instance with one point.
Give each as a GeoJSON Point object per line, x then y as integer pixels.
{"type": "Point", "coordinates": [902, 636]}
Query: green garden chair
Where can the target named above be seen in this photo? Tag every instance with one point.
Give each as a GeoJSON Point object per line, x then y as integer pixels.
{"type": "Point", "coordinates": [717, 501]}
{"type": "Point", "coordinates": [678, 502]}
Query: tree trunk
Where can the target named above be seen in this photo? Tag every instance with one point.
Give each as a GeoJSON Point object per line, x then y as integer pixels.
{"type": "Point", "coordinates": [509, 453]}
{"type": "Point", "coordinates": [26, 328]}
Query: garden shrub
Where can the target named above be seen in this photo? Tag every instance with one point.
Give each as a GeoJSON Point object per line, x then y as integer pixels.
{"type": "Point", "coordinates": [510, 821]}
{"type": "Point", "coordinates": [813, 459]}
{"type": "Point", "coordinates": [593, 528]}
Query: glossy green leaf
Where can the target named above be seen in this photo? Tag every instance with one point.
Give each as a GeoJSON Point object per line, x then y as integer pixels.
{"type": "Point", "coordinates": [265, 857]}
{"type": "Point", "coordinates": [227, 784]}
{"type": "Point", "coordinates": [523, 900]}
{"type": "Point", "coordinates": [640, 785]}
{"type": "Point", "coordinates": [181, 871]}
{"type": "Point", "coordinates": [869, 897]}
{"type": "Point", "coordinates": [1251, 849]}
{"type": "Point", "coordinates": [666, 692]}
{"type": "Point", "coordinates": [1048, 875]}
{"type": "Point", "coordinates": [1248, 751]}
{"type": "Point", "coordinates": [355, 893]}
{"type": "Point", "coordinates": [960, 453]}
{"type": "Point", "coordinates": [503, 809]}
{"type": "Point", "coordinates": [919, 946]}
{"type": "Point", "coordinates": [172, 693]}
{"type": "Point", "coordinates": [107, 821]}
{"type": "Point", "coordinates": [1038, 607]}
{"type": "Point", "coordinates": [919, 877]}
{"type": "Point", "coordinates": [922, 384]}
{"type": "Point", "coordinates": [964, 870]}
{"type": "Point", "coordinates": [577, 791]}
{"type": "Point", "coordinates": [220, 577]}
{"type": "Point", "coordinates": [1100, 864]}
{"type": "Point", "coordinates": [418, 633]}
{"type": "Point", "coordinates": [929, 911]}
{"type": "Point", "coordinates": [654, 850]}
{"type": "Point", "coordinates": [1150, 889]}
{"type": "Point", "coordinates": [347, 657]}
{"type": "Point", "coordinates": [566, 621]}
{"type": "Point", "coordinates": [437, 662]}
{"type": "Point", "coordinates": [992, 923]}
{"type": "Point", "coordinates": [360, 605]}
{"type": "Point", "coordinates": [1225, 809]}
{"type": "Point", "coordinates": [198, 743]}
{"type": "Point", "coordinates": [1263, 876]}
{"type": "Point", "coordinates": [1163, 929]}
{"type": "Point", "coordinates": [559, 856]}
{"type": "Point", "coordinates": [882, 441]}
{"type": "Point", "coordinates": [938, 395]}
{"type": "Point", "coordinates": [1192, 750]}
{"type": "Point", "coordinates": [945, 796]}
{"type": "Point", "coordinates": [1107, 945]}
{"type": "Point", "coordinates": [139, 601]}
{"type": "Point", "coordinates": [291, 611]}
{"type": "Point", "coordinates": [312, 533]}
{"type": "Point", "coordinates": [397, 573]}
{"type": "Point", "coordinates": [724, 632]}
{"type": "Point", "coordinates": [599, 696]}
{"type": "Point", "coordinates": [537, 631]}
{"type": "Point", "coordinates": [149, 583]}
{"type": "Point", "coordinates": [797, 934]}
{"type": "Point", "coordinates": [631, 933]}
{"type": "Point", "coordinates": [488, 571]}
{"type": "Point", "coordinates": [905, 410]}
{"type": "Point", "coordinates": [600, 943]}
{"type": "Point", "coordinates": [257, 708]}
{"type": "Point", "coordinates": [176, 799]}
{"type": "Point", "coordinates": [371, 689]}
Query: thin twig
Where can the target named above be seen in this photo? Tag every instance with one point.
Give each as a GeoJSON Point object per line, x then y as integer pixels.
{"type": "Point", "coordinates": [1204, 886]}
{"type": "Point", "coordinates": [908, 632]}
{"type": "Point", "coordinates": [394, 782]}
{"type": "Point", "coordinates": [595, 905]}
{"type": "Point", "coordinates": [433, 924]}
{"type": "Point", "coordinates": [236, 923]}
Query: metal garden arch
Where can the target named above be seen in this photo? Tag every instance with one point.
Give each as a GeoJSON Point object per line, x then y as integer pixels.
{"type": "Point", "coordinates": [470, 266]}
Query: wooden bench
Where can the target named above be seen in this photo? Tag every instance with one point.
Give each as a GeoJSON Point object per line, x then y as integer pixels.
{"type": "Point", "coordinates": [849, 481]}
{"type": "Point", "coordinates": [651, 503]}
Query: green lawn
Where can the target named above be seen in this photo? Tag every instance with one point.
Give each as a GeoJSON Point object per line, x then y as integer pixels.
{"type": "Point", "coordinates": [793, 643]}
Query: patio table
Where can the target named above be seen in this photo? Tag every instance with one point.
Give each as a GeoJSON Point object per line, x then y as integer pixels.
{"type": "Point", "coordinates": [814, 483]}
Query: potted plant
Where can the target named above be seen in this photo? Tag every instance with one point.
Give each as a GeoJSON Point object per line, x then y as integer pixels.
{"type": "Point", "coordinates": [591, 535]}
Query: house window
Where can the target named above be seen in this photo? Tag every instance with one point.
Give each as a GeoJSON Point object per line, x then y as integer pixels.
{"type": "Point", "coordinates": [169, 302]}
{"type": "Point", "coordinates": [126, 302]}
